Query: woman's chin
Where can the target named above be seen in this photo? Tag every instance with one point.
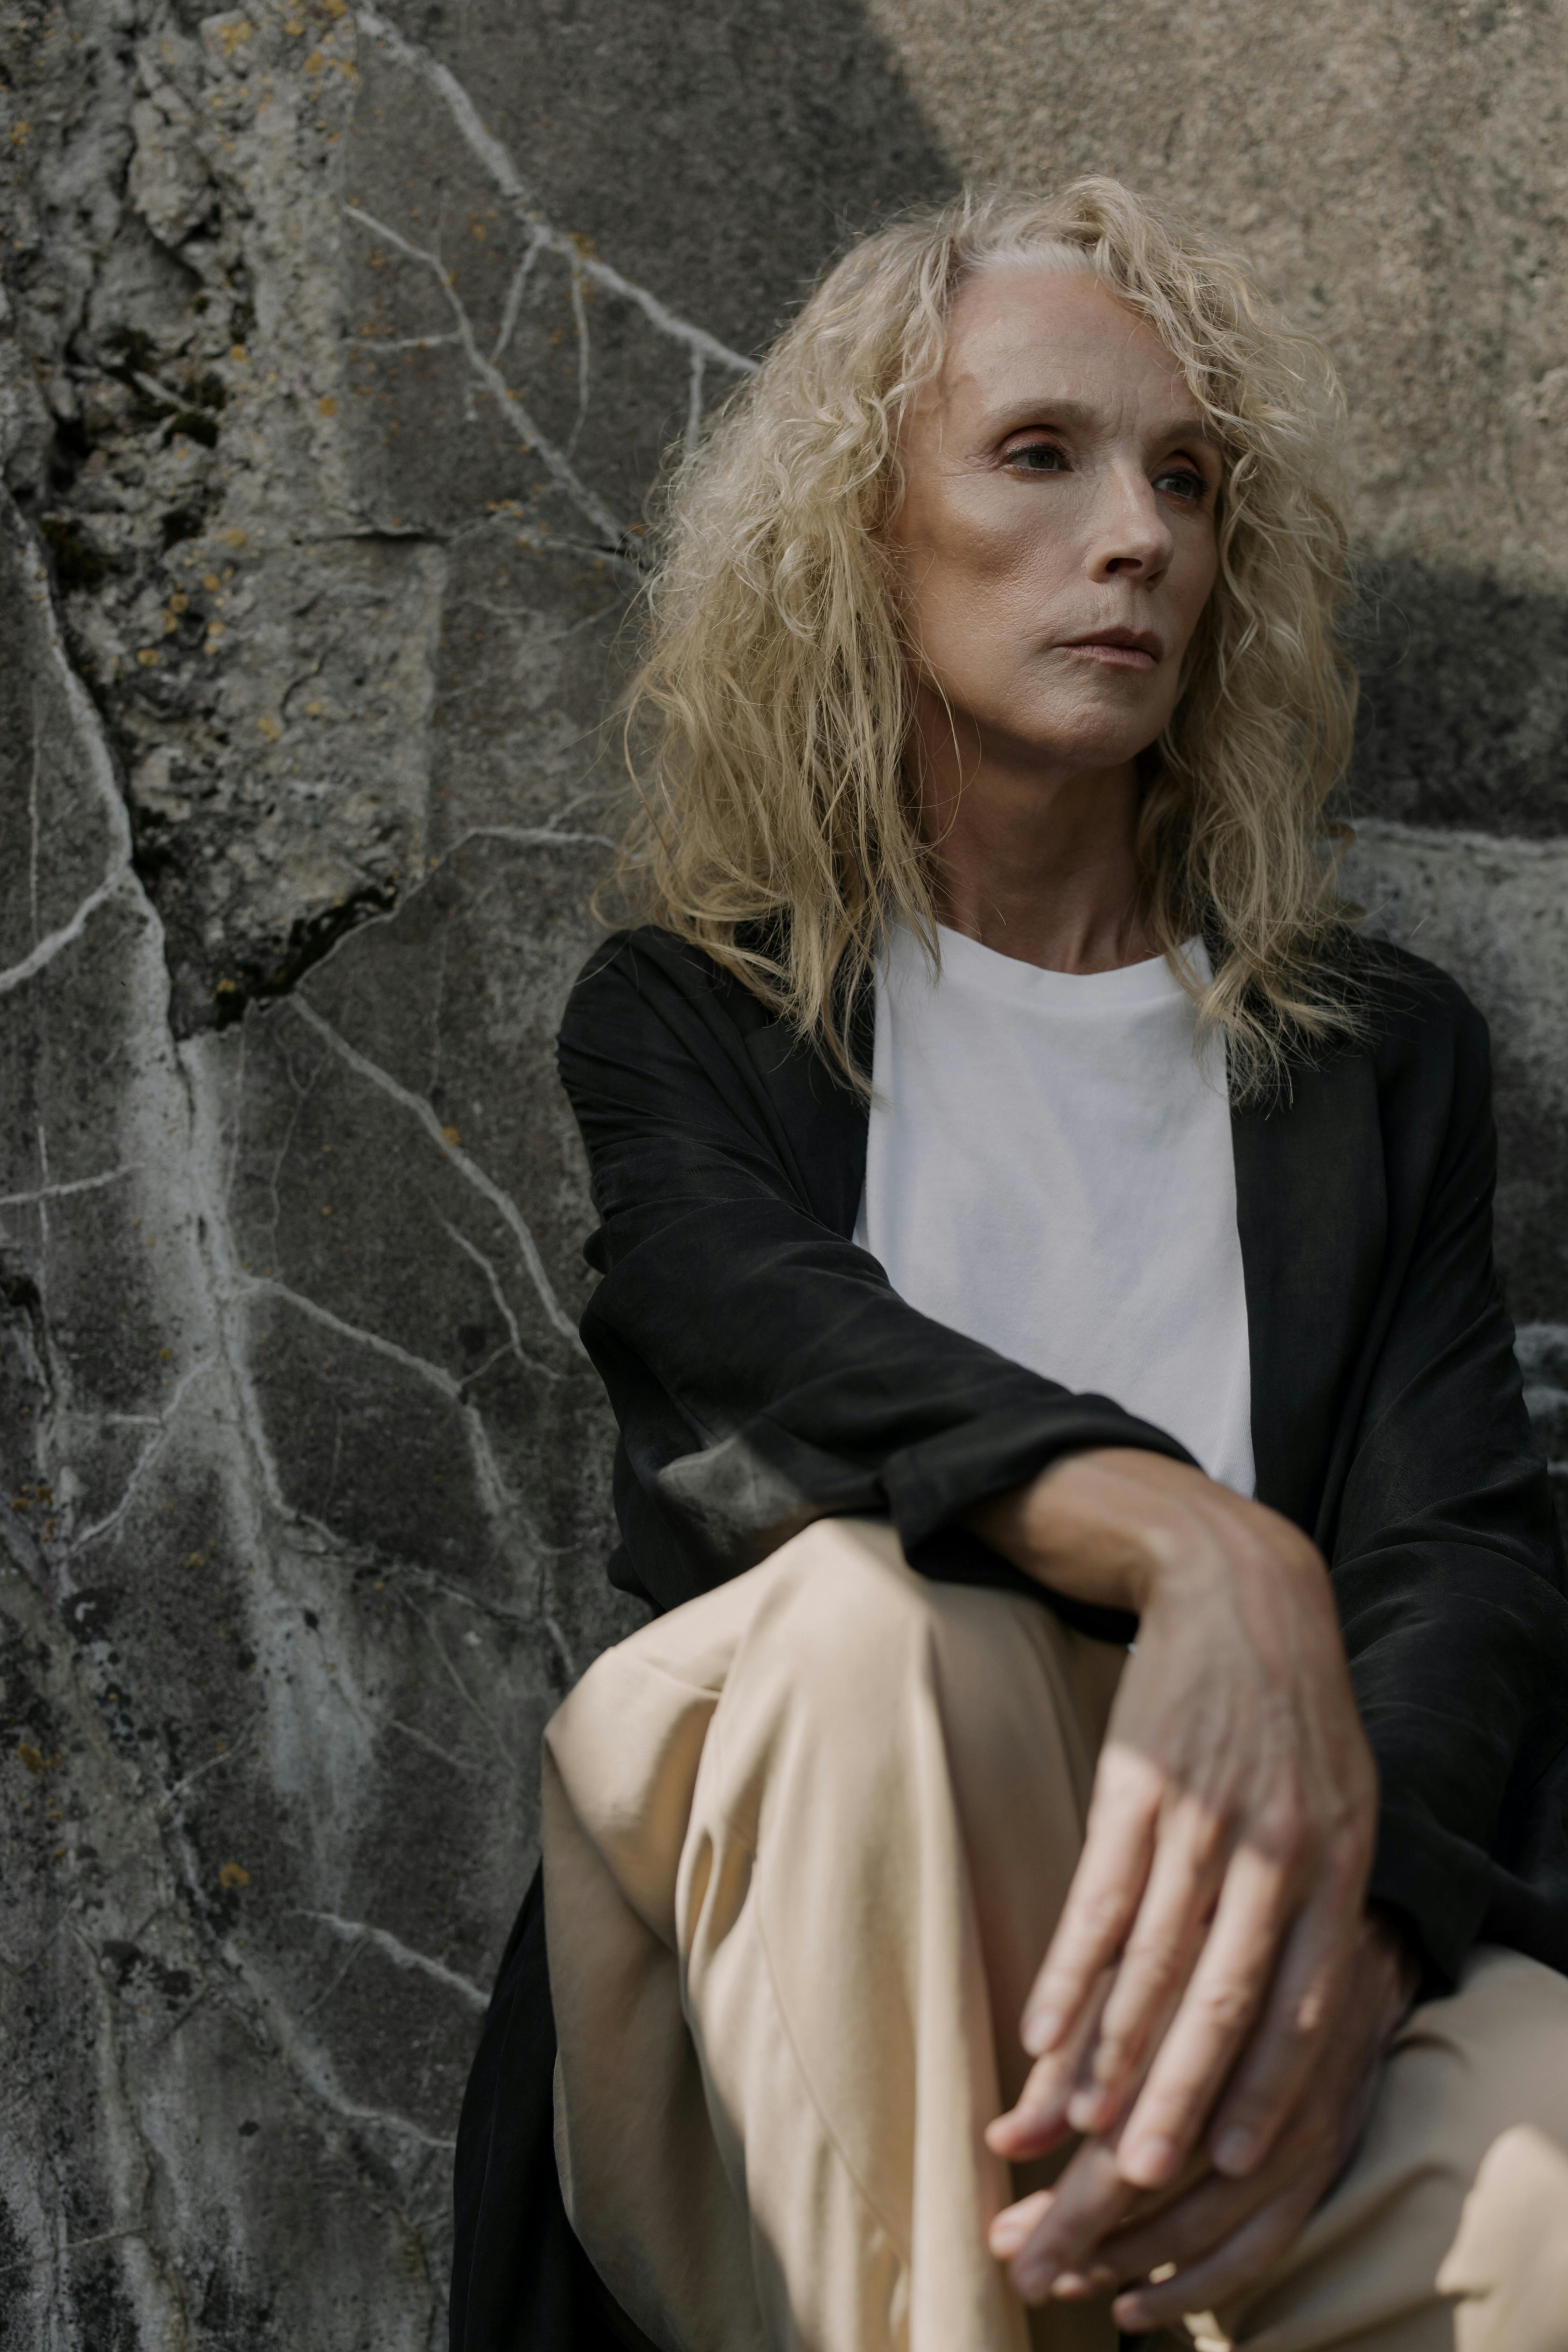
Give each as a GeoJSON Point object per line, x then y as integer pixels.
{"type": "Point", "coordinates": [1089, 746]}
{"type": "Point", "coordinates": [1109, 718]}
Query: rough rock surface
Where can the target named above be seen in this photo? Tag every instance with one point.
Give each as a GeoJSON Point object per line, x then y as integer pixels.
{"type": "Point", "coordinates": [338, 353]}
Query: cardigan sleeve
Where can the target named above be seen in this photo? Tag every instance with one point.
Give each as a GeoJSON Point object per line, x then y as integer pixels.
{"type": "Point", "coordinates": [762, 1369]}
{"type": "Point", "coordinates": [1446, 1561]}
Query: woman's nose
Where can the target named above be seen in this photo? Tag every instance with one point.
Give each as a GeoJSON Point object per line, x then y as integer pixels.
{"type": "Point", "coordinates": [1129, 538]}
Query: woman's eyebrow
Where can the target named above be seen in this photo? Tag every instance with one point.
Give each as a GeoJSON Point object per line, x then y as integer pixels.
{"type": "Point", "coordinates": [1191, 427]}
{"type": "Point", "coordinates": [1010, 415]}
{"type": "Point", "coordinates": [1041, 409]}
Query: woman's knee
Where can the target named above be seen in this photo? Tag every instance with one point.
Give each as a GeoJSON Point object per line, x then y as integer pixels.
{"type": "Point", "coordinates": [854, 1631]}
{"type": "Point", "coordinates": [848, 1610]}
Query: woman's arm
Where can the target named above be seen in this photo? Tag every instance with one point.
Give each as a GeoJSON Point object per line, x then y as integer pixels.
{"type": "Point", "coordinates": [1443, 1577]}
{"type": "Point", "coordinates": [1216, 1904]}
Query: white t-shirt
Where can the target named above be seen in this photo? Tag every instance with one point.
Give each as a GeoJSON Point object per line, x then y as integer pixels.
{"type": "Point", "coordinates": [1049, 1171]}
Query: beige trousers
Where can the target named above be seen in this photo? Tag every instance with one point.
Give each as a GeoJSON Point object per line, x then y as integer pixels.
{"type": "Point", "coordinates": [805, 1841]}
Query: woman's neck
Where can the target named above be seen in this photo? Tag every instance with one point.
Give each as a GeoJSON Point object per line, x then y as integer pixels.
{"type": "Point", "coordinates": [1036, 863]}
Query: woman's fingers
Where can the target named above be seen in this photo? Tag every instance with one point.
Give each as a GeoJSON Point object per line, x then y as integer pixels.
{"type": "Point", "coordinates": [1181, 2229]}
{"type": "Point", "coordinates": [1051, 2230]}
{"type": "Point", "coordinates": [1013, 2228]}
{"type": "Point", "coordinates": [1061, 2233]}
{"type": "Point", "coordinates": [1103, 1898]}
{"type": "Point", "coordinates": [1155, 1962]}
{"type": "Point", "coordinates": [1243, 2257]}
{"type": "Point", "coordinates": [1227, 1991]}
{"type": "Point", "coordinates": [1038, 2120]}
{"type": "Point", "coordinates": [1289, 2040]}
{"type": "Point", "coordinates": [1224, 2232]}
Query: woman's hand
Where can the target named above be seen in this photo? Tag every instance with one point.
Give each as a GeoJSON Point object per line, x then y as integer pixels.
{"type": "Point", "coordinates": [1093, 2234]}
{"type": "Point", "coordinates": [1217, 1902]}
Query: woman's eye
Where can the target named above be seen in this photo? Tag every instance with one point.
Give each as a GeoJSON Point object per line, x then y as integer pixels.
{"type": "Point", "coordinates": [1038, 457]}
{"type": "Point", "coordinates": [1183, 482]}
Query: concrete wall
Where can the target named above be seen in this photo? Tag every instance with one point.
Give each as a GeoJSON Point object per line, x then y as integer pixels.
{"type": "Point", "coordinates": [339, 351]}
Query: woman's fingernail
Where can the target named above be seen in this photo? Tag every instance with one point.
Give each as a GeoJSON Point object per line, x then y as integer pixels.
{"type": "Point", "coordinates": [1234, 2151]}
{"type": "Point", "coordinates": [1146, 2161]}
{"type": "Point", "coordinates": [1130, 2315]}
{"type": "Point", "coordinates": [1068, 2285]}
{"type": "Point", "coordinates": [1041, 2028]}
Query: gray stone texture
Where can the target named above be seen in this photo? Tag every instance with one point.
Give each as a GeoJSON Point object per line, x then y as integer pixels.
{"type": "Point", "coordinates": [338, 354]}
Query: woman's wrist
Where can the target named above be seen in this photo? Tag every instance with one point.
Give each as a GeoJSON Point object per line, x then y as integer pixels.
{"type": "Point", "coordinates": [1126, 1528]}
{"type": "Point", "coordinates": [1113, 1526]}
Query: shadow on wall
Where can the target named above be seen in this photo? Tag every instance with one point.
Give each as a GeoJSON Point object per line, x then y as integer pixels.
{"type": "Point", "coordinates": [719, 153]}
{"type": "Point", "coordinates": [653, 191]}
{"type": "Point", "coordinates": [1464, 708]}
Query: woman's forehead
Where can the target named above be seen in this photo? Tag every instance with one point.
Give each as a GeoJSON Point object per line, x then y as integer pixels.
{"type": "Point", "coordinates": [1018, 313]}
{"type": "Point", "coordinates": [1030, 333]}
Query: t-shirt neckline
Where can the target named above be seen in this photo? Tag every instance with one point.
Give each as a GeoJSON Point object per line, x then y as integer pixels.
{"type": "Point", "coordinates": [1150, 981]}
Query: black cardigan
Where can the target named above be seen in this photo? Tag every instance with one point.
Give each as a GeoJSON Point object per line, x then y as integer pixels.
{"type": "Point", "coordinates": [765, 1374]}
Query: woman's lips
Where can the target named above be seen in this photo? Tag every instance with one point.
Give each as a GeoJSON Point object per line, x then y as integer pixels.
{"type": "Point", "coordinates": [1113, 652]}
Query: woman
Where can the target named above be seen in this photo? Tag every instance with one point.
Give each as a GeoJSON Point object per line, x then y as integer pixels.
{"type": "Point", "coordinates": [1032, 1217]}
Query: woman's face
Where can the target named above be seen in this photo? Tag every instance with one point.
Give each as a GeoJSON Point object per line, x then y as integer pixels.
{"type": "Point", "coordinates": [1057, 532]}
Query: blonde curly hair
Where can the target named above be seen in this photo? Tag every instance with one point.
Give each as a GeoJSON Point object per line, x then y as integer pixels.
{"type": "Point", "coordinates": [776, 826]}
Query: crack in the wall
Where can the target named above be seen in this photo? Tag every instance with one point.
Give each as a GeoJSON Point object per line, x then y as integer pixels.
{"type": "Point", "coordinates": [309, 2063]}
{"type": "Point", "coordinates": [403, 1956]}
{"type": "Point", "coordinates": [518, 1540]}
{"type": "Point", "coordinates": [266, 1286]}
{"type": "Point", "coordinates": [1519, 849]}
{"type": "Point", "coordinates": [311, 939]}
{"type": "Point", "coordinates": [585, 269]}
{"type": "Point", "coordinates": [511, 309]}
{"type": "Point", "coordinates": [422, 1739]}
{"type": "Point", "coordinates": [246, 1989]}
{"type": "Point", "coordinates": [504, 1309]}
{"type": "Point", "coordinates": [229, 1287]}
{"type": "Point", "coordinates": [136, 2165]}
{"type": "Point", "coordinates": [509, 402]}
{"type": "Point", "coordinates": [144, 1463]}
{"type": "Point", "coordinates": [543, 236]}
{"type": "Point", "coordinates": [131, 2160]}
{"type": "Point", "coordinates": [42, 1193]}
{"type": "Point", "coordinates": [232, 1753]}
{"type": "Point", "coordinates": [467, 1166]}
{"type": "Point", "coordinates": [580, 321]}
{"type": "Point", "coordinates": [43, 954]}
{"type": "Point", "coordinates": [511, 1761]}
{"type": "Point", "coordinates": [509, 518]}
{"type": "Point", "coordinates": [250, 1475]}
{"type": "Point", "coordinates": [156, 2285]}
{"type": "Point", "coordinates": [67, 2247]}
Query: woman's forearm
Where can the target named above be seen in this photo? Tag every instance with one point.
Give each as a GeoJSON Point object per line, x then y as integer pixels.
{"type": "Point", "coordinates": [1114, 1525]}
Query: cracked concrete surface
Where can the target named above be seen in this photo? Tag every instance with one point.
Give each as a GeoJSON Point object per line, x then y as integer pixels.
{"type": "Point", "coordinates": [338, 348]}
{"type": "Point", "coordinates": [227, 1701]}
